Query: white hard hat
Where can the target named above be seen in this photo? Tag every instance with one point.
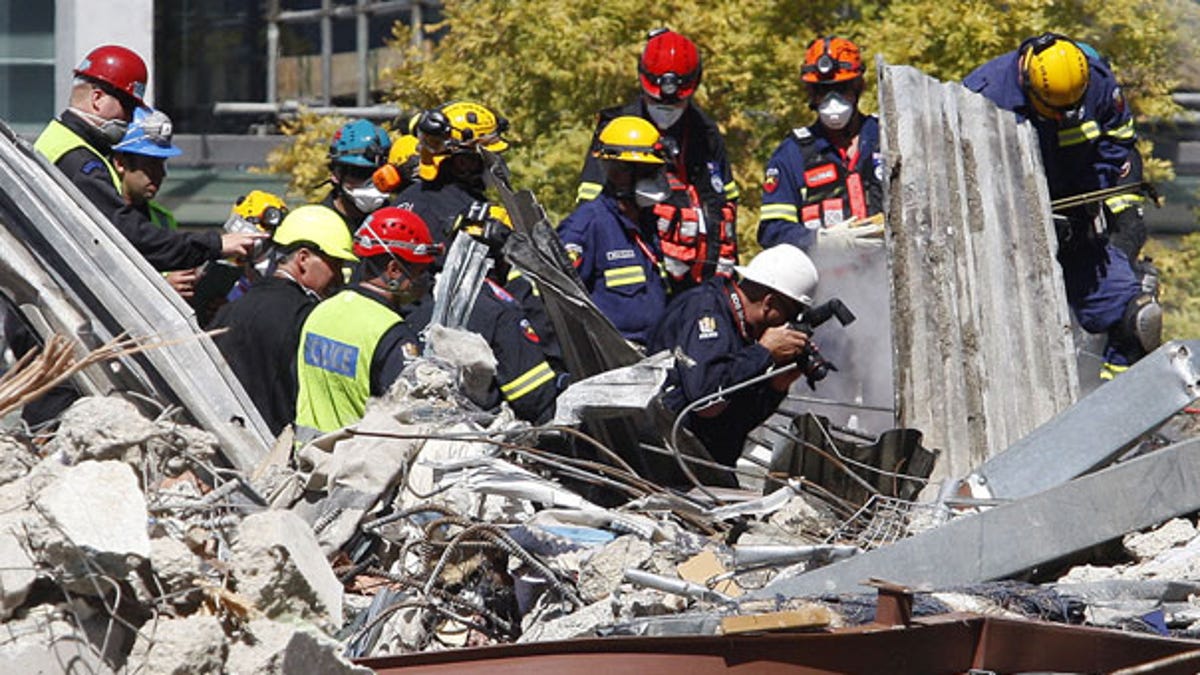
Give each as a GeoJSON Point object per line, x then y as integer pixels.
{"type": "Point", "coordinates": [783, 268]}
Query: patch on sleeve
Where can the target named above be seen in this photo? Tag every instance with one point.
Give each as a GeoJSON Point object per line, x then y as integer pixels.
{"type": "Point", "coordinates": [92, 166]}
{"type": "Point", "coordinates": [529, 333]}
{"type": "Point", "coordinates": [771, 181]}
{"type": "Point", "coordinates": [1118, 100]}
{"type": "Point", "coordinates": [574, 254]}
{"type": "Point", "coordinates": [411, 351]}
{"type": "Point", "coordinates": [707, 326]}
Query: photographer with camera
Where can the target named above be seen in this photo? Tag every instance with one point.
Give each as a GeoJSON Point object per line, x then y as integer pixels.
{"type": "Point", "coordinates": [727, 331]}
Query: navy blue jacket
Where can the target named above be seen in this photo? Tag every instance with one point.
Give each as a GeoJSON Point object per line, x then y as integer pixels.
{"type": "Point", "coordinates": [1079, 155]}
{"type": "Point", "coordinates": [704, 324]}
{"type": "Point", "coordinates": [618, 262]}
{"type": "Point", "coordinates": [806, 170]}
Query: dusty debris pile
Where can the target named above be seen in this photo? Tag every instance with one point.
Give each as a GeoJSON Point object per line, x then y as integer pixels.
{"type": "Point", "coordinates": [432, 525]}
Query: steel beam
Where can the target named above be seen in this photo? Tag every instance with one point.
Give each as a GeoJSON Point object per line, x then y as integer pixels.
{"type": "Point", "coordinates": [1019, 535]}
{"type": "Point", "coordinates": [1095, 430]}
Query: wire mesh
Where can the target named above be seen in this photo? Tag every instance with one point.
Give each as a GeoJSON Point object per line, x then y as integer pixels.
{"type": "Point", "coordinates": [886, 520]}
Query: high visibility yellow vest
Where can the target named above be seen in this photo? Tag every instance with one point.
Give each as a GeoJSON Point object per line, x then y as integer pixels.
{"type": "Point", "coordinates": [162, 216]}
{"type": "Point", "coordinates": [333, 364]}
{"type": "Point", "coordinates": [57, 139]}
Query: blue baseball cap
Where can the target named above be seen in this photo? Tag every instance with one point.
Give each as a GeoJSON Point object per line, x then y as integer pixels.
{"type": "Point", "coordinates": [149, 134]}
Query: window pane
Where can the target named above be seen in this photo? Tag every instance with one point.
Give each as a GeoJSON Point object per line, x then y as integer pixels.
{"type": "Point", "coordinates": [27, 95]}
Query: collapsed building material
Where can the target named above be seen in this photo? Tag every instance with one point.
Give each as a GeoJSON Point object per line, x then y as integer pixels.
{"type": "Point", "coordinates": [70, 271]}
{"type": "Point", "coordinates": [1016, 536]}
{"type": "Point", "coordinates": [975, 289]}
{"type": "Point", "coordinates": [1095, 430]}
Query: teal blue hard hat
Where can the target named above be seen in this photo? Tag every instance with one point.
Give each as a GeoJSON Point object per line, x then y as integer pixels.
{"type": "Point", "coordinates": [148, 134]}
{"type": "Point", "coordinates": [360, 143]}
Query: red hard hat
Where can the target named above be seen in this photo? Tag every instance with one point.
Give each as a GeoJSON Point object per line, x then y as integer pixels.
{"type": "Point", "coordinates": [670, 66]}
{"type": "Point", "coordinates": [118, 67]}
{"type": "Point", "coordinates": [397, 231]}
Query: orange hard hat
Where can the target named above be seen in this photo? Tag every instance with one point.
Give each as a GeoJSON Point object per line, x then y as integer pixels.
{"type": "Point", "coordinates": [831, 59]}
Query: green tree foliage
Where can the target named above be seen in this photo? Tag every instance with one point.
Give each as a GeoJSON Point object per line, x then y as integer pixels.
{"type": "Point", "coordinates": [549, 66]}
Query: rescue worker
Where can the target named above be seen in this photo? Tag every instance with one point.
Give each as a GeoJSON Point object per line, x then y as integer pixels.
{"type": "Point", "coordinates": [697, 224]}
{"type": "Point", "coordinates": [357, 150]}
{"type": "Point", "coordinates": [524, 376]}
{"type": "Point", "coordinates": [612, 239]}
{"type": "Point", "coordinates": [255, 211]}
{"type": "Point", "coordinates": [109, 84]}
{"type": "Point", "coordinates": [450, 167]}
{"type": "Point", "coordinates": [831, 171]}
{"type": "Point", "coordinates": [1085, 130]}
{"type": "Point", "coordinates": [311, 246]}
{"type": "Point", "coordinates": [355, 344]}
{"type": "Point", "coordinates": [400, 171]}
{"type": "Point", "coordinates": [730, 331]}
{"type": "Point", "coordinates": [140, 161]}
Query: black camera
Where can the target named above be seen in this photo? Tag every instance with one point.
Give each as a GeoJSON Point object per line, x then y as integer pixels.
{"type": "Point", "coordinates": [814, 366]}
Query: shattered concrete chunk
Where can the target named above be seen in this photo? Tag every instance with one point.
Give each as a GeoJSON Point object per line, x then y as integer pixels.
{"type": "Point", "coordinates": [176, 567]}
{"type": "Point", "coordinates": [16, 459]}
{"type": "Point", "coordinates": [17, 571]}
{"type": "Point", "coordinates": [581, 623]}
{"type": "Point", "coordinates": [1088, 573]}
{"type": "Point", "coordinates": [469, 353]}
{"type": "Point", "coordinates": [43, 642]}
{"type": "Point", "coordinates": [280, 568]}
{"type": "Point", "coordinates": [102, 427]}
{"type": "Point", "coordinates": [1146, 545]}
{"type": "Point", "coordinates": [273, 648]}
{"type": "Point", "coordinates": [195, 644]}
{"type": "Point", "coordinates": [603, 572]}
{"type": "Point", "coordinates": [96, 511]}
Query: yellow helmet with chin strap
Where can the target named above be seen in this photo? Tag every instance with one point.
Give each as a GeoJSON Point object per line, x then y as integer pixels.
{"type": "Point", "coordinates": [630, 139]}
{"type": "Point", "coordinates": [1054, 73]}
{"type": "Point", "coordinates": [461, 126]}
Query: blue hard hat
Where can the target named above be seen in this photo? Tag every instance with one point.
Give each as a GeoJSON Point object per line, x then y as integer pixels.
{"type": "Point", "coordinates": [360, 143]}
{"type": "Point", "coordinates": [148, 134]}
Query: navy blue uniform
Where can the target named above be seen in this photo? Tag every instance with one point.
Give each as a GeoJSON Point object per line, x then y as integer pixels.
{"type": "Point", "coordinates": [707, 325]}
{"type": "Point", "coordinates": [439, 203]}
{"type": "Point", "coordinates": [697, 160]}
{"type": "Point", "coordinates": [618, 261]}
{"type": "Point", "coordinates": [164, 249]}
{"type": "Point", "coordinates": [811, 184]}
{"type": "Point", "coordinates": [1082, 154]}
{"type": "Point", "coordinates": [523, 376]}
{"type": "Point", "coordinates": [260, 345]}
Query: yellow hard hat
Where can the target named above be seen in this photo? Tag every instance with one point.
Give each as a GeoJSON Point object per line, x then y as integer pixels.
{"type": "Point", "coordinates": [461, 126]}
{"type": "Point", "coordinates": [1054, 71]}
{"type": "Point", "coordinates": [319, 226]}
{"type": "Point", "coordinates": [630, 139]}
{"type": "Point", "coordinates": [263, 209]}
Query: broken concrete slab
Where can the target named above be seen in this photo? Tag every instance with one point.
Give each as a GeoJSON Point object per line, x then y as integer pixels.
{"type": "Point", "coordinates": [16, 459]}
{"type": "Point", "coordinates": [195, 644]}
{"type": "Point", "coordinates": [177, 568]}
{"type": "Point", "coordinates": [17, 569]}
{"type": "Point", "coordinates": [1146, 545]}
{"type": "Point", "coordinates": [91, 518]}
{"type": "Point", "coordinates": [604, 571]}
{"type": "Point", "coordinates": [101, 427]}
{"type": "Point", "coordinates": [43, 642]}
{"type": "Point", "coordinates": [1016, 536]}
{"type": "Point", "coordinates": [581, 623]}
{"type": "Point", "coordinates": [280, 568]}
{"type": "Point", "coordinates": [274, 648]}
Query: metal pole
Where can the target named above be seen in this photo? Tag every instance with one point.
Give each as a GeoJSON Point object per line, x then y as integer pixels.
{"type": "Point", "coordinates": [361, 45]}
{"type": "Point", "coordinates": [326, 51]}
{"type": "Point", "coordinates": [272, 50]}
{"type": "Point", "coordinates": [417, 21]}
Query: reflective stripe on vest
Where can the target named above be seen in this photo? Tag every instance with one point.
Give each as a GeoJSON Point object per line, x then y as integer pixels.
{"type": "Point", "coordinates": [57, 139]}
{"type": "Point", "coordinates": [1122, 133]}
{"type": "Point", "coordinates": [588, 191]}
{"type": "Point", "coordinates": [528, 381]}
{"type": "Point", "coordinates": [786, 212]}
{"type": "Point", "coordinates": [624, 276]}
{"type": "Point", "coordinates": [1121, 202]}
{"type": "Point", "coordinates": [333, 364]}
{"type": "Point", "coordinates": [1088, 131]}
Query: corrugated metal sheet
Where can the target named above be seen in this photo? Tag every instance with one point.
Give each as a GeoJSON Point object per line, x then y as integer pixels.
{"type": "Point", "coordinates": [983, 346]}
